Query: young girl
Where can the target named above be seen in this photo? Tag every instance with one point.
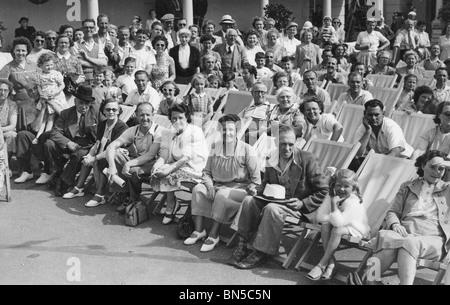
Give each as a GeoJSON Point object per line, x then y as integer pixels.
{"type": "Point", "coordinates": [214, 81]}
{"type": "Point", "coordinates": [112, 92]}
{"type": "Point", "coordinates": [407, 94]}
{"type": "Point", "coordinates": [341, 213]}
{"type": "Point", "coordinates": [201, 103]}
{"type": "Point", "coordinates": [50, 86]}
{"type": "Point", "coordinates": [170, 92]}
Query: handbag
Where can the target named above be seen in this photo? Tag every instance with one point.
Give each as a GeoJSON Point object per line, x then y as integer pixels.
{"type": "Point", "coordinates": [135, 214]}
{"type": "Point", "coordinates": [70, 85]}
{"type": "Point", "coordinates": [185, 225]}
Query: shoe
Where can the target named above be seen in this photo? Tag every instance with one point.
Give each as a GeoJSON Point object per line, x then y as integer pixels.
{"type": "Point", "coordinates": [96, 201]}
{"type": "Point", "coordinates": [316, 273]}
{"type": "Point", "coordinates": [209, 244]}
{"type": "Point", "coordinates": [239, 254]}
{"type": "Point", "coordinates": [255, 259]}
{"type": "Point", "coordinates": [330, 271]}
{"type": "Point", "coordinates": [44, 178]}
{"type": "Point", "coordinates": [24, 177]}
{"type": "Point", "coordinates": [168, 218]}
{"type": "Point", "coordinates": [75, 192]}
{"type": "Point", "coordinates": [60, 188]}
{"type": "Point", "coordinates": [195, 236]}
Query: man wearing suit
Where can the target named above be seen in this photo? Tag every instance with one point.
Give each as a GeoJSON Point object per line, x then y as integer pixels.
{"type": "Point", "coordinates": [233, 55]}
{"type": "Point", "coordinates": [228, 23]}
{"type": "Point", "coordinates": [186, 57]}
{"type": "Point", "coordinates": [74, 133]}
{"type": "Point", "coordinates": [261, 220]}
{"type": "Point", "coordinates": [169, 32]}
{"type": "Point", "coordinates": [110, 44]}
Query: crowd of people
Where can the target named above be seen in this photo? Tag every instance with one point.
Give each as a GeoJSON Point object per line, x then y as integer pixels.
{"type": "Point", "coordinates": [62, 94]}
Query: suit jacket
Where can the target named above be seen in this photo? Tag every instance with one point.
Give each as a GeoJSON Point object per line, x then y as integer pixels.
{"type": "Point", "coordinates": [239, 56]}
{"type": "Point", "coordinates": [307, 180]}
{"type": "Point", "coordinates": [65, 127]}
{"type": "Point", "coordinates": [194, 61]}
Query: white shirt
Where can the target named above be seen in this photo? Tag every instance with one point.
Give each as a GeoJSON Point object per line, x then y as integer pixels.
{"type": "Point", "coordinates": [372, 40]}
{"type": "Point", "coordinates": [150, 95]}
{"type": "Point", "coordinates": [144, 58]}
{"type": "Point", "coordinates": [89, 46]}
{"type": "Point", "coordinates": [126, 83]}
{"type": "Point", "coordinates": [183, 56]}
{"type": "Point", "coordinates": [290, 45]}
{"type": "Point", "coordinates": [323, 129]}
{"type": "Point", "coordinates": [442, 94]}
{"type": "Point", "coordinates": [389, 137]}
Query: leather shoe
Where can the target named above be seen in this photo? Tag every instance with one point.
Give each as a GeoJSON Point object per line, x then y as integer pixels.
{"type": "Point", "coordinates": [239, 255]}
{"type": "Point", "coordinates": [60, 188]}
{"type": "Point", "coordinates": [255, 259]}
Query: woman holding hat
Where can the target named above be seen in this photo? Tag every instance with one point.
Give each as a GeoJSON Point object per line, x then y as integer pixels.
{"type": "Point", "coordinates": [368, 42]}
{"type": "Point", "coordinates": [289, 42]}
{"type": "Point", "coordinates": [232, 172]}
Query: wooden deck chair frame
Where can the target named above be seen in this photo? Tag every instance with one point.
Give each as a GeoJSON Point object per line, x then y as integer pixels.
{"type": "Point", "coordinates": [384, 81]}
{"type": "Point", "coordinates": [329, 107]}
{"type": "Point", "coordinates": [298, 87]}
{"type": "Point", "coordinates": [413, 125]}
{"type": "Point", "coordinates": [440, 267]}
{"type": "Point", "coordinates": [335, 90]}
{"type": "Point", "coordinates": [350, 118]}
{"type": "Point", "coordinates": [376, 207]}
{"type": "Point", "coordinates": [237, 101]}
{"type": "Point", "coordinates": [388, 96]}
{"type": "Point", "coordinates": [7, 182]}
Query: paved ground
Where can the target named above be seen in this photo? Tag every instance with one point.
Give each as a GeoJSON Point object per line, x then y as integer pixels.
{"type": "Point", "coordinates": [44, 238]}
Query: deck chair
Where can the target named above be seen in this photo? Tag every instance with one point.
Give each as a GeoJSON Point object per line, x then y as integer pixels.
{"type": "Point", "coordinates": [268, 82]}
{"type": "Point", "coordinates": [335, 90]}
{"type": "Point", "coordinates": [329, 153]}
{"type": "Point", "coordinates": [388, 96]}
{"type": "Point", "coordinates": [240, 82]}
{"type": "Point", "coordinates": [184, 90]}
{"type": "Point", "coordinates": [413, 125]}
{"type": "Point", "coordinates": [7, 180]}
{"type": "Point", "coordinates": [329, 107]}
{"type": "Point", "coordinates": [350, 118]}
{"type": "Point", "coordinates": [421, 81]}
{"type": "Point", "coordinates": [161, 120]}
{"type": "Point", "coordinates": [440, 267]}
{"type": "Point", "coordinates": [237, 101]}
{"type": "Point", "coordinates": [384, 81]}
{"type": "Point", "coordinates": [214, 93]}
{"type": "Point", "coordinates": [127, 112]}
{"type": "Point", "coordinates": [298, 87]}
{"type": "Point", "coordinates": [380, 177]}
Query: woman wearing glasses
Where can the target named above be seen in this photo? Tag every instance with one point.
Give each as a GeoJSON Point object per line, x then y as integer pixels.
{"type": "Point", "coordinates": [170, 92]}
{"type": "Point", "coordinates": [38, 49]}
{"type": "Point", "coordinates": [108, 131]}
{"type": "Point", "coordinates": [164, 69]}
{"type": "Point", "coordinates": [50, 40]}
{"type": "Point", "coordinates": [340, 33]}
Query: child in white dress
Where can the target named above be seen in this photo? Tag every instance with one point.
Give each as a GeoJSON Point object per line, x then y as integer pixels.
{"type": "Point", "coordinates": [341, 213]}
{"type": "Point", "coordinates": [50, 85]}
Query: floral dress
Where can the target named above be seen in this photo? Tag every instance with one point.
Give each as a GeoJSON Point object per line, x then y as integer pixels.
{"type": "Point", "coordinates": [8, 109]}
{"type": "Point", "coordinates": [159, 74]}
{"type": "Point", "coordinates": [49, 83]}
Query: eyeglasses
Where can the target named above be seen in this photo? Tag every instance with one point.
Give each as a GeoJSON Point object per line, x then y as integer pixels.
{"type": "Point", "coordinates": [4, 90]}
{"type": "Point", "coordinates": [438, 168]}
{"type": "Point", "coordinates": [111, 109]}
{"type": "Point", "coordinates": [260, 92]}
{"type": "Point", "coordinates": [51, 38]}
{"type": "Point", "coordinates": [168, 90]}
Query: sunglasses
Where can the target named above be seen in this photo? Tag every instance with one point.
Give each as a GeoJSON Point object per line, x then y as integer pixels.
{"type": "Point", "coordinates": [111, 109]}
{"type": "Point", "coordinates": [168, 90]}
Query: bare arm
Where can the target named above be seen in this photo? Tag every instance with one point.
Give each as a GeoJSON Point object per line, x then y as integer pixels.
{"type": "Point", "coordinates": [337, 131]}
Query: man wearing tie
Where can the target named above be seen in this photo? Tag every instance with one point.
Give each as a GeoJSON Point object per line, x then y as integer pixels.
{"type": "Point", "coordinates": [74, 133]}
{"type": "Point", "coordinates": [233, 55]}
{"type": "Point", "coordinates": [407, 39]}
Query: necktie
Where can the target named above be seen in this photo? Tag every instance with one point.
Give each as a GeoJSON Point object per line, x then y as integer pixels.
{"type": "Point", "coordinates": [411, 41]}
{"type": "Point", "coordinates": [229, 49]}
{"type": "Point", "coordinates": [81, 126]}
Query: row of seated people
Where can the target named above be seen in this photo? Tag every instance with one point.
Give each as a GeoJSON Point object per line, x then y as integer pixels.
{"type": "Point", "coordinates": [181, 154]}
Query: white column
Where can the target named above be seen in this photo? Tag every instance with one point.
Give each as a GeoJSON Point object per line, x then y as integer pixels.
{"type": "Point", "coordinates": [188, 11]}
{"type": "Point", "coordinates": [327, 8]}
{"type": "Point", "coordinates": [263, 5]}
{"type": "Point", "coordinates": [381, 6]}
{"type": "Point", "coordinates": [439, 4]}
{"type": "Point", "coordinates": [92, 9]}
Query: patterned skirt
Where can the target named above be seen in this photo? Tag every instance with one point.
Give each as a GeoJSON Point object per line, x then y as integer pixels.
{"type": "Point", "coordinates": [172, 182]}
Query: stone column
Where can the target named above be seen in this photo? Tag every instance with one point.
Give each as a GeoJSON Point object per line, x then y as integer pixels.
{"type": "Point", "coordinates": [263, 4]}
{"type": "Point", "coordinates": [92, 9]}
{"type": "Point", "coordinates": [188, 11]}
{"type": "Point", "coordinates": [327, 8]}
